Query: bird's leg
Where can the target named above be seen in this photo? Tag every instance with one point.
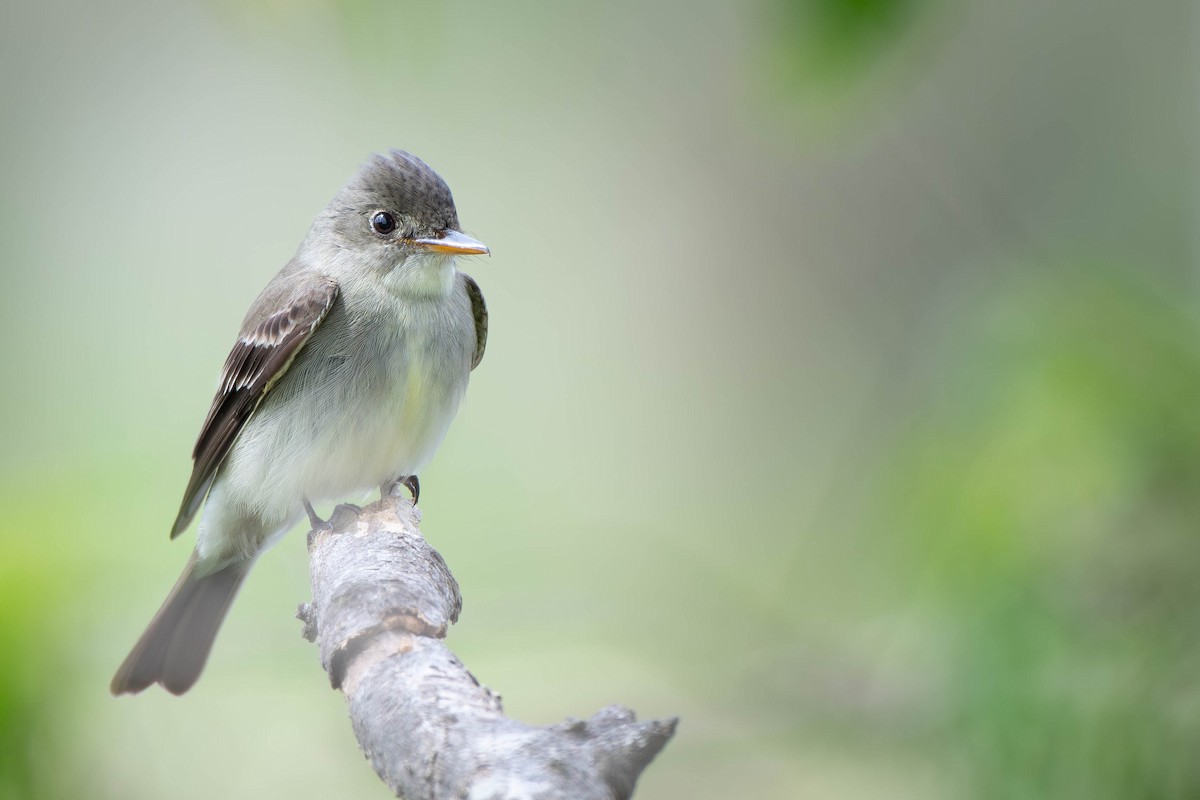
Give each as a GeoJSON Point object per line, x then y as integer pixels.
{"type": "Point", "coordinates": [410, 481]}
{"type": "Point", "coordinates": [335, 519]}
{"type": "Point", "coordinates": [317, 523]}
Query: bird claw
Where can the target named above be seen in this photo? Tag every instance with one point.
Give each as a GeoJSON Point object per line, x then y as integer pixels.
{"type": "Point", "coordinates": [340, 512]}
{"type": "Point", "coordinates": [409, 481]}
{"type": "Point", "coordinates": [316, 522]}
{"type": "Point", "coordinates": [336, 519]}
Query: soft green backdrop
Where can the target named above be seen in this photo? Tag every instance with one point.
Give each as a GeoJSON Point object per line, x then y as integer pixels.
{"type": "Point", "coordinates": [842, 395]}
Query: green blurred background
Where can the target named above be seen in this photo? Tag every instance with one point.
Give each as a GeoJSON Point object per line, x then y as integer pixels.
{"type": "Point", "coordinates": [842, 395]}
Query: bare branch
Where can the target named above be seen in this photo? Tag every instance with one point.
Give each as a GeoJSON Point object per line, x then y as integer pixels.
{"type": "Point", "coordinates": [382, 601]}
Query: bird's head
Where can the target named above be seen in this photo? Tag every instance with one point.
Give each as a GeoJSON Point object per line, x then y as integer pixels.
{"type": "Point", "coordinates": [397, 215]}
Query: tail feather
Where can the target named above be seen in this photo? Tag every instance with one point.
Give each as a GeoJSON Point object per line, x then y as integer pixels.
{"type": "Point", "coordinates": [177, 641]}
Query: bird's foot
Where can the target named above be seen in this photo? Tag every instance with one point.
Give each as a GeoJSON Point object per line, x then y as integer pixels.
{"type": "Point", "coordinates": [337, 519]}
{"type": "Point", "coordinates": [316, 522]}
{"type": "Point", "coordinates": [342, 509]}
{"type": "Point", "coordinates": [409, 481]}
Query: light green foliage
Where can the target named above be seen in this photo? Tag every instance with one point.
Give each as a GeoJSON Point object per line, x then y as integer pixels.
{"type": "Point", "coordinates": [827, 38]}
{"type": "Point", "coordinates": [1044, 506]}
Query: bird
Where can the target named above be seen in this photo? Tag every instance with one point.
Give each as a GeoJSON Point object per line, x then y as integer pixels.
{"type": "Point", "coordinates": [346, 374]}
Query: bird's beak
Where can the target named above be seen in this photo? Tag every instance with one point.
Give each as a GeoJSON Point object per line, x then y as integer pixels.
{"type": "Point", "coordinates": [454, 243]}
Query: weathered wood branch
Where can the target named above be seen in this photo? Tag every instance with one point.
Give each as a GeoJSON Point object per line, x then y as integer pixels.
{"type": "Point", "coordinates": [382, 602]}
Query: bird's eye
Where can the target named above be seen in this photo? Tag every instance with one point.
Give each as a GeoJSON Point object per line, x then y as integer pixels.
{"type": "Point", "coordinates": [383, 223]}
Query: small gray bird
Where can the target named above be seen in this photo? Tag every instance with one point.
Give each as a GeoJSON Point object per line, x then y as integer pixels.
{"type": "Point", "coordinates": [348, 369]}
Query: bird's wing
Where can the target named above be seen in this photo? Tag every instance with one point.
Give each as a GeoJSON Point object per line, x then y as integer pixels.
{"type": "Point", "coordinates": [262, 355]}
{"type": "Point", "coordinates": [479, 308]}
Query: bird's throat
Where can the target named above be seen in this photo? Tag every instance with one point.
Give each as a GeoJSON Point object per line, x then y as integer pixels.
{"type": "Point", "coordinates": [428, 275]}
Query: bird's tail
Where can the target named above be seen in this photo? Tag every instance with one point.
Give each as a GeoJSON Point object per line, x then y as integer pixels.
{"type": "Point", "coordinates": [176, 644]}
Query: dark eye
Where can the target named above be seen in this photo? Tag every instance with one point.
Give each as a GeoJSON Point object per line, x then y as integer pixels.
{"type": "Point", "coordinates": [383, 223]}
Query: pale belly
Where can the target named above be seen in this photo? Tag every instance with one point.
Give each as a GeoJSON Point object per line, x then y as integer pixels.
{"type": "Point", "coordinates": [384, 431]}
{"type": "Point", "coordinates": [356, 410]}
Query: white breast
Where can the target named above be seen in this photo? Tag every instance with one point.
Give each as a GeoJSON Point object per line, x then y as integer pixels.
{"type": "Point", "coordinates": [370, 398]}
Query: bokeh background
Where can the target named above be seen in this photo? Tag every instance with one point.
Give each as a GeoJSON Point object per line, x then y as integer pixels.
{"type": "Point", "coordinates": [842, 395]}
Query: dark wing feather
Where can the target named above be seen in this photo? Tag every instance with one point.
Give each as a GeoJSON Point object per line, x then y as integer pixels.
{"type": "Point", "coordinates": [480, 310]}
{"type": "Point", "coordinates": [260, 358]}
